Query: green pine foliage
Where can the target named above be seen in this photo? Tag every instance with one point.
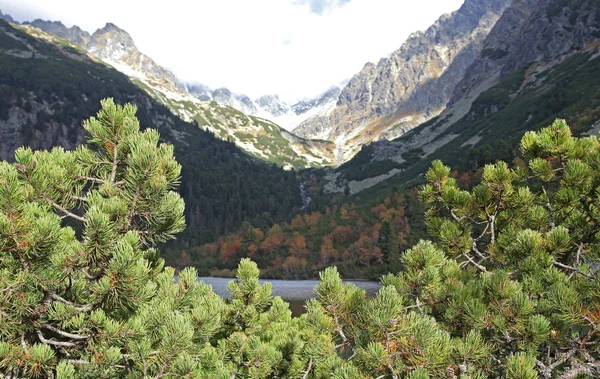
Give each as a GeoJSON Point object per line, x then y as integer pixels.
{"type": "Point", "coordinates": [507, 289]}
{"type": "Point", "coordinates": [83, 291]}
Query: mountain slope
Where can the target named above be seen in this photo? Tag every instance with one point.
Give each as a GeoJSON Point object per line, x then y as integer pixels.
{"type": "Point", "coordinates": [258, 137]}
{"type": "Point", "coordinates": [548, 69]}
{"type": "Point", "coordinates": [49, 85]}
{"type": "Point", "coordinates": [414, 84]}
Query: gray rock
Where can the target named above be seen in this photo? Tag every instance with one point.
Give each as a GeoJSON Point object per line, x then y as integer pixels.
{"type": "Point", "coordinates": [113, 44]}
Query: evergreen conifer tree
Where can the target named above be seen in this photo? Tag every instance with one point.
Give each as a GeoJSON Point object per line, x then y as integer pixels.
{"type": "Point", "coordinates": [389, 244]}
{"type": "Point", "coordinates": [92, 300]}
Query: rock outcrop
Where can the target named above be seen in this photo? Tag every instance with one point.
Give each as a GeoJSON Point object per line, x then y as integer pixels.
{"type": "Point", "coordinates": [6, 17]}
{"type": "Point", "coordinates": [542, 31]}
{"type": "Point", "coordinates": [411, 86]}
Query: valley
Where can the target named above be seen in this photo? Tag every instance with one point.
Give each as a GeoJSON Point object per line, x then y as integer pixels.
{"type": "Point", "coordinates": [434, 215]}
{"type": "Point", "coordinates": [446, 90]}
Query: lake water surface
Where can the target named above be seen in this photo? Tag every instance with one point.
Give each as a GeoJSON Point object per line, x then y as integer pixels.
{"type": "Point", "coordinates": [295, 292]}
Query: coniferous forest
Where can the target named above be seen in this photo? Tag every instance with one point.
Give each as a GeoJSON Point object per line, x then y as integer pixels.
{"type": "Point", "coordinates": [504, 285]}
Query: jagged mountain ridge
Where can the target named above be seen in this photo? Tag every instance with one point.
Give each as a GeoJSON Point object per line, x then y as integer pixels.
{"type": "Point", "coordinates": [540, 62]}
{"type": "Point", "coordinates": [257, 136]}
{"type": "Point", "coordinates": [271, 107]}
{"type": "Point", "coordinates": [414, 84]}
{"type": "Point", "coordinates": [115, 46]}
{"type": "Point", "coordinates": [558, 29]}
{"type": "Point", "coordinates": [73, 34]}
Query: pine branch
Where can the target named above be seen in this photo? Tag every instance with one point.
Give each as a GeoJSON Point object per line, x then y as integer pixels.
{"type": "Point", "coordinates": [418, 301]}
{"type": "Point", "coordinates": [163, 368]}
{"type": "Point", "coordinates": [592, 323]}
{"type": "Point", "coordinates": [66, 334]}
{"type": "Point", "coordinates": [90, 179]}
{"type": "Point", "coordinates": [23, 344]}
{"type": "Point", "coordinates": [487, 226]}
{"type": "Point", "coordinates": [454, 216]}
{"type": "Point", "coordinates": [53, 342]}
{"type": "Point", "coordinates": [9, 287]}
{"type": "Point", "coordinates": [546, 370]}
{"type": "Point", "coordinates": [476, 250]}
{"type": "Point", "coordinates": [76, 361]}
{"type": "Point", "coordinates": [307, 371]}
{"type": "Point", "coordinates": [79, 308]}
{"type": "Point", "coordinates": [493, 229]}
{"type": "Point", "coordinates": [92, 277]}
{"type": "Point", "coordinates": [579, 252]}
{"type": "Point", "coordinates": [63, 209]}
{"type": "Point", "coordinates": [480, 267]}
{"type": "Point", "coordinates": [113, 172]}
{"type": "Point", "coordinates": [133, 204]}
{"type": "Point", "coordinates": [549, 206]}
{"type": "Point", "coordinates": [570, 268]}
{"type": "Point", "coordinates": [78, 198]}
{"type": "Point", "coordinates": [338, 329]}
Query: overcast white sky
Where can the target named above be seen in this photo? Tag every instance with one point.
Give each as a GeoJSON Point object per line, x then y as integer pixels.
{"type": "Point", "coordinates": [297, 48]}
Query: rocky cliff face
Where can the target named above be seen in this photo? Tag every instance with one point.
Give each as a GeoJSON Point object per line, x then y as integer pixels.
{"type": "Point", "coordinates": [273, 105]}
{"type": "Point", "coordinates": [541, 31]}
{"type": "Point", "coordinates": [412, 85]}
{"type": "Point", "coordinates": [116, 47]}
{"type": "Point", "coordinates": [211, 110]}
{"type": "Point", "coordinates": [240, 102]}
{"type": "Point", "coordinates": [270, 107]}
{"type": "Point", "coordinates": [331, 95]}
{"type": "Point", "coordinates": [539, 62]}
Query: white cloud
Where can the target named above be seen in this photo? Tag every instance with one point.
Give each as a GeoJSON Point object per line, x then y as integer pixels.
{"type": "Point", "coordinates": [295, 48]}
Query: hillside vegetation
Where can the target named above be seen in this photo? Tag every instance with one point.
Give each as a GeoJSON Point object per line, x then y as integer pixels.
{"type": "Point", "coordinates": [48, 86]}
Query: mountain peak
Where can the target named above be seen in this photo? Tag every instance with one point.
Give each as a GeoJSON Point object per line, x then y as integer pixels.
{"type": "Point", "coordinates": [112, 42]}
{"type": "Point", "coordinates": [111, 27]}
{"type": "Point", "coordinates": [6, 17]}
{"type": "Point", "coordinates": [112, 30]}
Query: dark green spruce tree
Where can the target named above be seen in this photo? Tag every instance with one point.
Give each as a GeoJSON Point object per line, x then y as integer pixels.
{"type": "Point", "coordinates": [389, 244]}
